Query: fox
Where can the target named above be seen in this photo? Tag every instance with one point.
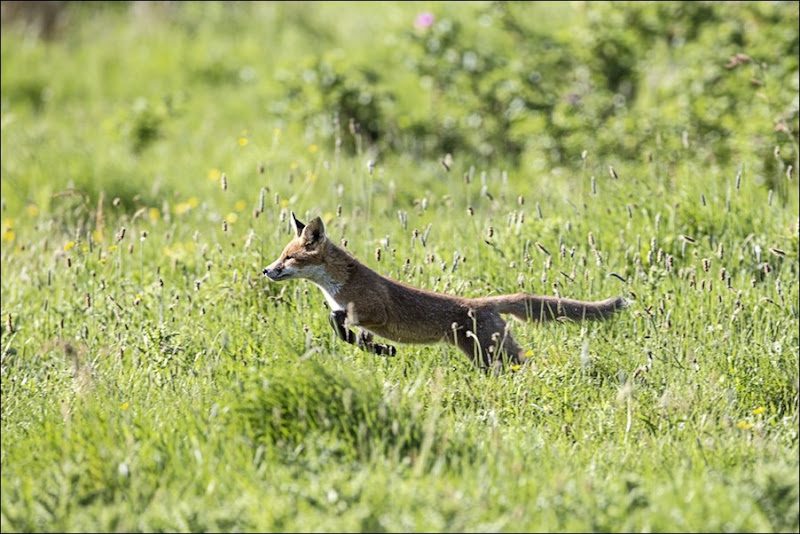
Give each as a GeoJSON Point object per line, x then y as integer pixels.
{"type": "Point", "coordinates": [377, 305]}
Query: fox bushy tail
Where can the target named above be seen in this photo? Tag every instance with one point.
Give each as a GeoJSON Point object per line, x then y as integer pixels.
{"type": "Point", "coordinates": [528, 307]}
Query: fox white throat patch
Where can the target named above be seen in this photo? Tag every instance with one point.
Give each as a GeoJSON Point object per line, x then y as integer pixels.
{"type": "Point", "coordinates": [320, 277]}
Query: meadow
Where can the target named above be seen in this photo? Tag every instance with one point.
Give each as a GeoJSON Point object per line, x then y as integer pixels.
{"type": "Point", "coordinates": [154, 380]}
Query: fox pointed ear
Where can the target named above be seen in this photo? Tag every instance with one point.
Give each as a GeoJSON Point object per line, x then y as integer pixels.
{"type": "Point", "coordinates": [298, 226]}
{"type": "Point", "coordinates": [314, 232]}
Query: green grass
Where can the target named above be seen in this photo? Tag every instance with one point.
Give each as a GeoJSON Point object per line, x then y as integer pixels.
{"type": "Point", "coordinates": [155, 381]}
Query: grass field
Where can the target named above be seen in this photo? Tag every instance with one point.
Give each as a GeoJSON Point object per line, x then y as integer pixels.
{"type": "Point", "coordinates": [153, 380]}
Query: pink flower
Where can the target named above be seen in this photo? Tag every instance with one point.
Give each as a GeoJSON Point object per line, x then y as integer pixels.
{"type": "Point", "coordinates": [424, 20]}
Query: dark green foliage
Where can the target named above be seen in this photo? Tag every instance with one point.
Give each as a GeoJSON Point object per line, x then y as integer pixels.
{"type": "Point", "coordinates": [306, 405]}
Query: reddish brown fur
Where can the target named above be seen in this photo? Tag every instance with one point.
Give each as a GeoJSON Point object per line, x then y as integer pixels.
{"type": "Point", "coordinates": [407, 314]}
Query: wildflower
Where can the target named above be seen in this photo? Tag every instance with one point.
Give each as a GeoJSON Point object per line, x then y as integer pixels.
{"type": "Point", "coordinates": [242, 141]}
{"type": "Point", "coordinates": [69, 245]}
{"type": "Point", "coordinates": [214, 174]}
{"type": "Point", "coordinates": [181, 208]}
{"type": "Point", "coordinates": [759, 410]}
{"type": "Point", "coordinates": [744, 425]}
{"type": "Point", "coordinates": [313, 148]}
{"type": "Point", "coordinates": [424, 20]}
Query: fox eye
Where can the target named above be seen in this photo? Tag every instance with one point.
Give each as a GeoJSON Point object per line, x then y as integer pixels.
{"type": "Point", "coordinates": [289, 257]}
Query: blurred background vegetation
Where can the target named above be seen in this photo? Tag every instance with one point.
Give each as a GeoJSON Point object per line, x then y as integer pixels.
{"type": "Point", "coordinates": [530, 86]}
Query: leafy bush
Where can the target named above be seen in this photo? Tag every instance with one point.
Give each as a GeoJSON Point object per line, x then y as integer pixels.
{"type": "Point", "coordinates": [502, 85]}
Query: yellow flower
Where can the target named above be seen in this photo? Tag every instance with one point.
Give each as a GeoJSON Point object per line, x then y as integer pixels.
{"type": "Point", "coordinates": [516, 367]}
{"type": "Point", "coordinates": [181, 208]}
{"type": "Point", "coordinates": [32, 210]}
{"type": "Point", "coordinates": [125, 406]}
{"type": "Point", "coordinates": [154, 214]}
{"type": "Point", "coordinates": [744, 425]}
{"type": "Point", "coordinates": [112, 248]}
{"type": "Point", "coordinates": [214, 174]}
{"type": "Point", "coordinates": [313, 148]}
{"type": "Point", "coordinates": [759, 410]}
{"type": "Point", "coordinates": [231, 218]}
{"type": "Point", "coordinates": [193, 202]}
{"type": "Point", "coordinates": [97, 236]}
{"type": "Point", "coordinates": [240, 205]}
{"type": "Point", "coordinates": [242, 141]}
{"type": "Point", "coordinates": [69, 245]}
{"type": "Point", "coordinates": [8, 235]}
{"type": "Point", "coordinates": [293, 165]}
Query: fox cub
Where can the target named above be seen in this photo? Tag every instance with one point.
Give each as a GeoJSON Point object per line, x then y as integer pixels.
{"type": "Point", "coordinates": [360, 297]}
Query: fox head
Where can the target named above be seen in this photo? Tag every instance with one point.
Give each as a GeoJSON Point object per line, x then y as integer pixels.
{"type": "Point", "coordinates": [302, 257]}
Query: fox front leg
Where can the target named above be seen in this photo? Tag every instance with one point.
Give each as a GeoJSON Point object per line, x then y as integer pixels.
{"type": "Point", "coordinates": [364, 338]}
{"type": "Point", "coordinates": [382, 349]}
{"type": "Point", "coordinates": [337, 320]}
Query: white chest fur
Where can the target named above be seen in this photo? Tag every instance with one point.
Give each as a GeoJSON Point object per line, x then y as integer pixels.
{"type": "Point", "coordinates": [329, 286]}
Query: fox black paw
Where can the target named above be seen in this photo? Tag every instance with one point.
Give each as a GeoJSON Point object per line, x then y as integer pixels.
{"type": "Point", "coordinates": [384, 350]}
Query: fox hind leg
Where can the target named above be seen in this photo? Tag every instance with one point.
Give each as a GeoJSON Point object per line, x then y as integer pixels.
{"type": "Point", "coordinates": [492, 345]}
